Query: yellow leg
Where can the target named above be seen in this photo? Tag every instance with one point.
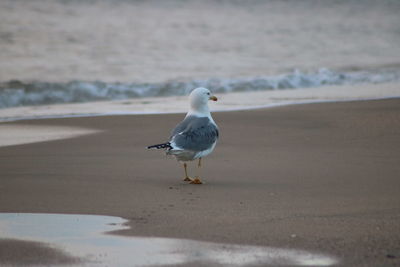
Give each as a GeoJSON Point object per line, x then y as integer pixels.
{"type": "Point", "coordinates": [197, 180]}
{"type": "Point", "coordinates": [187, 178]}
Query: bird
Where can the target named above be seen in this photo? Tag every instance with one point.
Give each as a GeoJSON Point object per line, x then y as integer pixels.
{"type": "Point", "coordinates": [195, 136]}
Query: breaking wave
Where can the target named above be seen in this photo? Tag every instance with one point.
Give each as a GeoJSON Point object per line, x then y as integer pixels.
{"type": "Point", "coordinates": [16, 93]}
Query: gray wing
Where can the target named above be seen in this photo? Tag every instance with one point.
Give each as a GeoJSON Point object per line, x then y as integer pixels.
{"type": "Point", "coordinates": [195, 133]}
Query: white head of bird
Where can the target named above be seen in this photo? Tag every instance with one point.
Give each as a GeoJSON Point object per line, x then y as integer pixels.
{"type": "Point", "coordinates": [199, 98]}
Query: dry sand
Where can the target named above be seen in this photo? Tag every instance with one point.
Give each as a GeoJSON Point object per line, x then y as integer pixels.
{"type": "Point", "coordinates": [321, 177]}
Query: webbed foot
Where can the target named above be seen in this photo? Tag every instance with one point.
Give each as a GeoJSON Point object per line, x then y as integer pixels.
{"type": "Point", "coordinates": [196, 181]}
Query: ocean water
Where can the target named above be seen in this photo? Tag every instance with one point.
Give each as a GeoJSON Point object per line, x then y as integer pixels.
{"type": "Point", "coordinates": [17, 93]}
{"type": "Point", "coordinates": [68, 51]}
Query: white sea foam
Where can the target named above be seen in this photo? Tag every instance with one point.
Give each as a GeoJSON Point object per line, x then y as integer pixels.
{"type": "Point", "coordinates": [227, 102]}
{"type": "Point", "coordinates": [16, 93]}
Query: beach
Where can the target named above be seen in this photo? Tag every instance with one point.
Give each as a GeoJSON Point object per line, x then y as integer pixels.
{"type": "Point", "coordinates": [322, 177]}
{"type": "Point", "coordinates": [306, 167]}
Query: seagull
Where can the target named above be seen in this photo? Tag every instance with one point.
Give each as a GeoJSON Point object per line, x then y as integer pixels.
{"type": "Point", "coordinates": [196, 136]}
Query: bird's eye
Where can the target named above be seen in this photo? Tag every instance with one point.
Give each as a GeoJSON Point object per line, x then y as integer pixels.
{"type": "Point", "coordinates": [208, 93]}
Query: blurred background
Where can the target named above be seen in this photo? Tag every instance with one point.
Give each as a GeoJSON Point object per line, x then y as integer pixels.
{"type": "Point", "coordinates": [66, 51]}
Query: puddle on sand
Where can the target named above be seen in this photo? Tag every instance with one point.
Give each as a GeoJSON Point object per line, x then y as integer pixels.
{"type": "Point", "coordinates": [83, 236]}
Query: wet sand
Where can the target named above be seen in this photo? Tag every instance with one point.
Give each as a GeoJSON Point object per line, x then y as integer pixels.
{"type": "Point", "coordinates": [35, 253]}
{"type": "Point", "coordinates": [321, 177]}
{"type": "Point", "coordinates": [24, 134]}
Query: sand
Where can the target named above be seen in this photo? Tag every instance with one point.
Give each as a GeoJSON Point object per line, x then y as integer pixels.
{"type": "Point", "coordinates": [320, 177]}
{"type": "Point", "coordinates": [35, 253]}
{"type": "Point", "coordinates": [24, 134]}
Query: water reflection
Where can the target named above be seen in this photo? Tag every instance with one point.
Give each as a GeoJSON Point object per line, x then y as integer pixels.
{"type": "Point", "coordinates": [83, 236]}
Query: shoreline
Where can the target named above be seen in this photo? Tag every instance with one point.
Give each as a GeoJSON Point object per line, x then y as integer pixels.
{"type": "Point", "coordinates": [237, 101]}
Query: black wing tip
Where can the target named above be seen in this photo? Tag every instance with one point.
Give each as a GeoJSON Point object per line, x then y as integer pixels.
{"type": "Point", "coordinates": [160, 146]}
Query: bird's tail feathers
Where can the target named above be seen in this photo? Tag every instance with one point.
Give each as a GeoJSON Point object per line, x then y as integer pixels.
{"type": "Point", "coordinates": [161, 146]}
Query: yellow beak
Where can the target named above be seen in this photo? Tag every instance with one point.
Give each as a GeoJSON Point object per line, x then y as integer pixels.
{"type": "Point", "coordinates": [213, 98]}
